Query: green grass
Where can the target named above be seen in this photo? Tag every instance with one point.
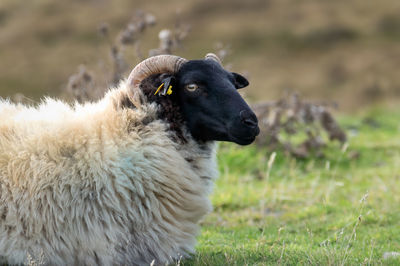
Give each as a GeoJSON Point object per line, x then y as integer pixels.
{"type": "Point", "coordinates": [339, 210]}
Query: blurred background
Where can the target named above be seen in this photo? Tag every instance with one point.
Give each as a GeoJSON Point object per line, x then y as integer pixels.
{"type": "Point", "coordinates": [345, 50]}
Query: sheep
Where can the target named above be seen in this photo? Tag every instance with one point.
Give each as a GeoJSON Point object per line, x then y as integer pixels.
{"type": "Point", "coordinates": [124, 180]}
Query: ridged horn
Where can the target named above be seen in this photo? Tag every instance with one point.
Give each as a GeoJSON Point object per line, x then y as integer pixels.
{"type": "Point", "coordinates": [211, 56]}
{"type": "Point", "coordinates": [153, 65]}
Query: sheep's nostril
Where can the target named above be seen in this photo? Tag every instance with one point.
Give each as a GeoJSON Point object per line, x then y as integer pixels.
{"type": "Point", "coordinates": [249, 123]}
{"type": "Point", "coordinates": [249, 119]}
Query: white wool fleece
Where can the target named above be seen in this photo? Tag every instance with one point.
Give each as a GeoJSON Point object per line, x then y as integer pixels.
{"type": "Point", "coordinates": [96, 184]}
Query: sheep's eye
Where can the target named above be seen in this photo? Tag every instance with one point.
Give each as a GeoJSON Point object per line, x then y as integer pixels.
{"type": "Point", "coordinates": [192, 87]}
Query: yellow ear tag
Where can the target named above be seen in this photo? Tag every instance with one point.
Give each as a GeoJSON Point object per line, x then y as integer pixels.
{"type": "Point", "coordinates": [169, 91]}
{"type": "Point", "coordinates": [159, 88]}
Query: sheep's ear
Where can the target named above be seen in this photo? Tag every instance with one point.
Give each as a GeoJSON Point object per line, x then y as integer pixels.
{"type": "Point", "coordinates": [169, 80]}
{"type": "Point", "coordinates": [168, 85]}
{"type": "Point", "coordinates": [240, 81]}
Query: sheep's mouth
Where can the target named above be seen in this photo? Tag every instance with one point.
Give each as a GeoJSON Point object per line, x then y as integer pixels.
{"type": "Point", "coordinates": [245, 138]}
{"type": "Point", "coordinates": [243, 141]}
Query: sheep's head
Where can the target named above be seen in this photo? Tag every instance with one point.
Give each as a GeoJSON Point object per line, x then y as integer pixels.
{"type": "Point", "coordinates": [202, 94]}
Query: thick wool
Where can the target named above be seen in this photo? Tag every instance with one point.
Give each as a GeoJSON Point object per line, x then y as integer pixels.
{"type": "Point", "coordinates": [99, 184]}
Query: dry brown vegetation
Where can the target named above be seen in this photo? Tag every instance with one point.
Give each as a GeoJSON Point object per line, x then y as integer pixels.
{"type": "Point", "coordinates": [299, 128]}
{"type": "Point", "coordinates": [86, 85]}
{"type": "Point", "coordinates": [339, 50]}
{"type": "Point", "coordinates": [289, 124]}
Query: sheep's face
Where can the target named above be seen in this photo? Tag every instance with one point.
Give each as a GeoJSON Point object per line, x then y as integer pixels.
{"type": "Point", "coordinates": [210, 104]}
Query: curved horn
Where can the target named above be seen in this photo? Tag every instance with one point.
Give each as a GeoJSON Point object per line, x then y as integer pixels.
{"type": "Point", "coordinates": [153, 65]}
{"type": "Point", "coordinates": [211, 56]}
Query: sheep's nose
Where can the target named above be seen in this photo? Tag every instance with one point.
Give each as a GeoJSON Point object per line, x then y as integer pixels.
{"type": "Point", "coordinates": [249, 119]}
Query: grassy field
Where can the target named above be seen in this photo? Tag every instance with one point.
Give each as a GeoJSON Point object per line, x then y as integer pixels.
{"type": "Point", "coordinates": [339, 210]}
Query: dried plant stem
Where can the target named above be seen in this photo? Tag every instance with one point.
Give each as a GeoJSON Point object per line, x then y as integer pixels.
{"type": "Point", "coordinates": [353, 235]}
{"type": "Point", "coordinates": [269, 165]}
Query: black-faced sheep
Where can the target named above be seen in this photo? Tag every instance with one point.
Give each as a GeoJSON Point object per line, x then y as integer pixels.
{"type": "Point", "coordinates": [124, 180]}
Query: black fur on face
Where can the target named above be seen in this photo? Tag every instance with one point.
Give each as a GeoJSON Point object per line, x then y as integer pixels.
{"type": "Point", "coordinates": [206, 101]}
